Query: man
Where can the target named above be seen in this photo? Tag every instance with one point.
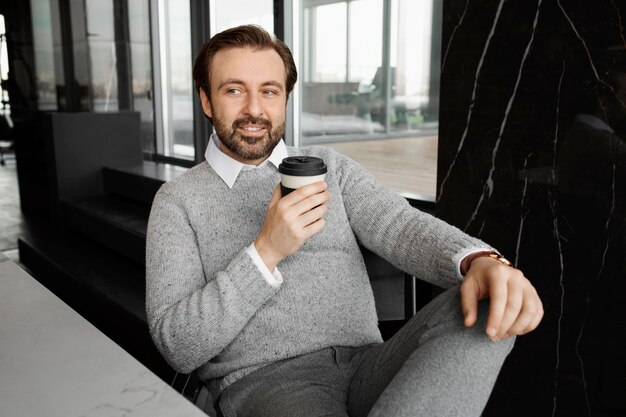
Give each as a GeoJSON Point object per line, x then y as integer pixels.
{"type": "Point", "coordinates": [268, 297]}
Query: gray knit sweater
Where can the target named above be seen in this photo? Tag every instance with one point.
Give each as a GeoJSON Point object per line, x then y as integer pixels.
{"type": "Point", "coordinates": [209, 307]}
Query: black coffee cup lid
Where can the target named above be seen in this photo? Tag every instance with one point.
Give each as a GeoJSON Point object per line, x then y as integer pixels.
{"type": "Point", "coordinates": [302, 166]}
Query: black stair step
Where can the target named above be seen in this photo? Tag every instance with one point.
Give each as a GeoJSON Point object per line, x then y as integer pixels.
{"type": "Point", "coordinates": [139, 182]}
{"type": "Point", "coordinates": [112, 221]}
{"type": "Point", "coordinates": [91, 265]}
{"type": "Point", "coordinates": [100, 285]}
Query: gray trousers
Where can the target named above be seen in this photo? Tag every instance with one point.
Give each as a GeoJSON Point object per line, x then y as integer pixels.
{"type": "Point", "coordinates": [433, 366]}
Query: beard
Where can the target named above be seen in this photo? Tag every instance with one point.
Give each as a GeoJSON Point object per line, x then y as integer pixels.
{"type": "Point", "coordinates": [249, 147]}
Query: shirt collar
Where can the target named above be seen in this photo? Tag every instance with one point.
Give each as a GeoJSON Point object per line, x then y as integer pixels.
{"type": "Point", "coordinates": [593, 121]}
{"type": "Point", "coordinates": [228, 168]}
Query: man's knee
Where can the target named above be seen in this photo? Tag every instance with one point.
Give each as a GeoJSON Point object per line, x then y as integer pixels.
{"type": "Point", "coordinates": [445, 317]}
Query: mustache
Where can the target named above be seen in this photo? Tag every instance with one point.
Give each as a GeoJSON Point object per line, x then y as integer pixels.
{"type": "Point", "coordinates": [252, 121]}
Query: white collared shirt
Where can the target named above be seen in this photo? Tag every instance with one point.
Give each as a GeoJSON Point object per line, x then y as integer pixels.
{"type": "Point", "coordinates": [228, 170]}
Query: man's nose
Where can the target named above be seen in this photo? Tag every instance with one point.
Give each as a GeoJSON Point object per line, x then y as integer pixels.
{"type": "Point", "coordinates": [253, 105]}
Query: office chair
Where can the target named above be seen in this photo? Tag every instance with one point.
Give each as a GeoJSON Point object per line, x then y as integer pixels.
{"type": "Point", "coordinates": [190, 386]}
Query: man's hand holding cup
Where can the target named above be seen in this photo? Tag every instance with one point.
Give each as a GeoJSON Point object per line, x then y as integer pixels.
{"type": "Point", "coordinates": [296, 209]}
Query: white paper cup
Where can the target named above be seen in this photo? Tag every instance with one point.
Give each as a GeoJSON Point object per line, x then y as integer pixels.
{"type": "Point", "coordinates": [298, 171]}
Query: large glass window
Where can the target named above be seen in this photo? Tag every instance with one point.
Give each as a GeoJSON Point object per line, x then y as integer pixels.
{"type": "Point", "coordinates": [367, 75]}
{"type": "Point", "coordinates": [4, 69]}
{"type": "Point", "coordinates": [415, 87]}
{"type": "Point", "coordinates": [43, 52]}
{"type": "Point", "coordinates": [368, 72]}
{"type": "Point", "coordinates": [341, 60]}
{"type": "Point", "coordinates": [173, 80]}
{"type": "Point", "coordinates": [141, 64]}
{"type": "Point", "coordinates": [226, 14]}
{"type": "Point", "coordinates": [102, 56]}
{"type": "Point", "coordinates": [366, 68]}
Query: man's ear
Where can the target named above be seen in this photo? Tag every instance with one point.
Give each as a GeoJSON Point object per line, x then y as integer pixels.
{"type": "Point", "coordinates": [206, 104]}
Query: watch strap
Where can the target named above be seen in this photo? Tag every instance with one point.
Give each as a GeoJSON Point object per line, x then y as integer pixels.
{"type": "Point", "coordinates": [491, 254]}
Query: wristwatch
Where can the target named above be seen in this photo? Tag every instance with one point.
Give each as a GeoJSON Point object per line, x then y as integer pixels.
{"type": "Point", "coordinates": [491, 254]}
{"type": "Point", "coordinates": [495, 255]}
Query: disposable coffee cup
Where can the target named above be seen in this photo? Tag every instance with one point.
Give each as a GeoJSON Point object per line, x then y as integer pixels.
{"type": "Point", "coordinates": [298, 171]}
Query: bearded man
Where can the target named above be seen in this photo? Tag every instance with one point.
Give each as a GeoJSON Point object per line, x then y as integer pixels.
{"type": "Point", "coordinates": [267, 297]}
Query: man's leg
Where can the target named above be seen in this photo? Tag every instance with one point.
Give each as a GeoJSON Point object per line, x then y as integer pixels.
{"type": "Point", "coordinates": [313, 385]}
{"type": "Point", "coordinates": [433, 366]}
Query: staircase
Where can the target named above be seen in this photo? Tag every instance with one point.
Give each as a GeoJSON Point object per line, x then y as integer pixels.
{"type": "Point", "coordinates": [94, 260]}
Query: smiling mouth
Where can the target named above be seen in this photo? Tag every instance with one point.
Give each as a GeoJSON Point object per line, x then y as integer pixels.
{"type": "Point", "coordinates": [252, 128]}
{"type": "Point", "coordinates": [253, 133]}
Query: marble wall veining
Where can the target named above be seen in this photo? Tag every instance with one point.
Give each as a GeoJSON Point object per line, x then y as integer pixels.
{"type": "Point", "coordinates": [532, 160]}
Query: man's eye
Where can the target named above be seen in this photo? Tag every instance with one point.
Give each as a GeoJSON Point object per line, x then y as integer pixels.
{"type": "Point", "coordinates": [269, 93]}
{"type": "Point", "coordinates": [233, 91]}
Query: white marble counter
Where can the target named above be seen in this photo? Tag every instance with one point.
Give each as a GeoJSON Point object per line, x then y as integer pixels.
{"type": "Point", "coordinates": [55, 363]}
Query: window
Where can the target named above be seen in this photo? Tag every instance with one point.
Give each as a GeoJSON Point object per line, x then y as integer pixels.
{"type": "Point", "coordinates": [366, 74]}
{"type": "Point", "coordinates": [415, 87]}
{"type": "Point", "coordinates": [44, 55]}
{"type": "Point", "coordinates": [226, 14]}
{"type": "Point", "coordinates": [141, 70]}
{"type": "Point", "coordinates": [173, 80]}
{"type": "Point", "coordinates": [100, 43]}
{"type": "Point", "coordinates": [366, 67]}
{"type": "Point", "coordinates": [4, 69]}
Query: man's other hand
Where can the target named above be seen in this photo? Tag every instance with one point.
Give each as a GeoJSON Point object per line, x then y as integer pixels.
{"type": "Point", "coordinates": [290, 221]}
{"type": "Point", "coordinates": [514, 306]}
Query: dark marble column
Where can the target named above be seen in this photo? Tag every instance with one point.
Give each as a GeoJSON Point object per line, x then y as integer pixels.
{"type": "Point", "coordinates": [532, 160]}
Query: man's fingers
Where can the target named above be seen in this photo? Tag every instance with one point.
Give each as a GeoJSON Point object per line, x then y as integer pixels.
{"type": "Point", "coordinates": [513, 312]}
{"type": "Point", "coordinates": [309, 217]}
{"type": "Point", "coordinates": [537, 314]}
{"type": "Point", "coordinates": [498, 293]}
{"type": "Point", "coordinates": [534, 323]}
{"type": "Point", "coordinates": [314, 227]}
{"type": "Point", "coordinates": [311, 202]}
{"type": "Point", "coordinates": [522, 322]}
{"type": "Point", "coordinates": [469, 301]}
{"type": "Point", "coordinates": [529, 313]}
{"type": "Point", "coordinates": [301, 193]}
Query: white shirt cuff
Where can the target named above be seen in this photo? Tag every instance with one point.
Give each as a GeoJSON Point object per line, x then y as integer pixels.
{"type": "Point", "coordinates": [458, 258]}
{"type": "Point", "coordinates": [273, 278]}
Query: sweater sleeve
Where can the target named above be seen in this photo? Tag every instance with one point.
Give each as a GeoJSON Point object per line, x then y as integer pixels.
{"type": "Point", "coordinates": [193, 317]}
{"type": "Point", "coordinates": [410, 239]}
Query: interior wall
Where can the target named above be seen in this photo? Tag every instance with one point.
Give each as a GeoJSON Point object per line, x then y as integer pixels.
{"type": "Point", "coordinates": [518, 168]}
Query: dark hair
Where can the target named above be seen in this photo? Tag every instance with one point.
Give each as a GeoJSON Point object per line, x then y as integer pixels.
{"type": "Point", "coordinates": [238, 37]}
